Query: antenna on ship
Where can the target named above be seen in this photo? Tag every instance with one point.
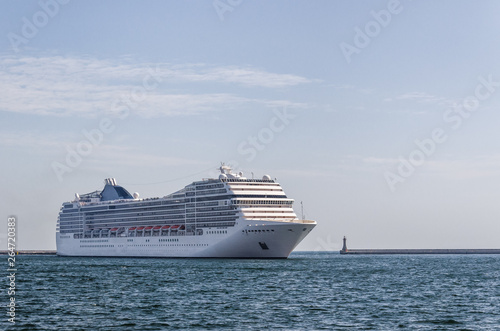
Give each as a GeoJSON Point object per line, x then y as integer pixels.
{"type": "Point", "coordinates": [302, 210]}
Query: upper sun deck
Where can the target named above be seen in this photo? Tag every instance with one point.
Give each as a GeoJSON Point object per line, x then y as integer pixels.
{"type": "Point", "coordinates": [228, 182]}
{"type": "Point", "coordinates": [227, 175]}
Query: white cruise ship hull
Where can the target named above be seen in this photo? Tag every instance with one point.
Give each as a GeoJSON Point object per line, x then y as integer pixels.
{"type": "Point", "coordinates": [256, 239]}
{"type": "Point", "coordinates": [228, 217]}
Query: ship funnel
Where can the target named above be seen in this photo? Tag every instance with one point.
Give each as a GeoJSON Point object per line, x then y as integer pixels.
{"type": "Point", "coordinates": [110, 181]}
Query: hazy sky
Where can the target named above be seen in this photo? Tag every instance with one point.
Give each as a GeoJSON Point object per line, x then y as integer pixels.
{"type": "Point", "coordinates": [381, 116]}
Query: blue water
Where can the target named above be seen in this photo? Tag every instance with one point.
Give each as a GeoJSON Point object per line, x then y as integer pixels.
{"type": "Point", "coordinates": [307, 291]}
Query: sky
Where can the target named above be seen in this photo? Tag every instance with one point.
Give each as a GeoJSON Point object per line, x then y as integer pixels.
{"type": "Point", "coordinates": [380, 116]}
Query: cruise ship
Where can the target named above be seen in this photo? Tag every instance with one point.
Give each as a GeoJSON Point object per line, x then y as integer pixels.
{"type": "Point", "coordinates": [228, 217]}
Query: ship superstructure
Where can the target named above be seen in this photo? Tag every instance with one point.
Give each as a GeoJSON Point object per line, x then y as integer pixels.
{"type": "Point", "coordinates": [231, 216]}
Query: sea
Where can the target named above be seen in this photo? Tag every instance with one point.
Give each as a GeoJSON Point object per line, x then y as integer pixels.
{"type": "Point", "coordinates": [308, 291]}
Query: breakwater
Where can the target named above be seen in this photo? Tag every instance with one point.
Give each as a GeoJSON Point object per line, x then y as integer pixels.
{"type": "Point", "coordinates": [418, 251]}
{"type": "Point", "coordinates": [347, 251]}
{"type": "Point", "coordinates": [31, 252]}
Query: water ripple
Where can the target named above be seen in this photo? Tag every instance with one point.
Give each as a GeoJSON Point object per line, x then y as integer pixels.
{"type": "Point", "coordinates": [320, 291]}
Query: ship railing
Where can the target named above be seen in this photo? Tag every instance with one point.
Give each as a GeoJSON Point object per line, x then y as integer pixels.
{"type": "Point", "coordinates": [304, 221]}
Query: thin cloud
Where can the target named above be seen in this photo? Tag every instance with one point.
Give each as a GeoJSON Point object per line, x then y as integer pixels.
{"type": "Point", "coordinates": [243, 76]}
{"type": "Point", "coordinates": [482, 166]}
{"type": "Point", "coordinates": [89, 87]}
{"type": "Point", "coordinates": [114, 156]}
{"type": "Point", "coordinates": [103, 156]}
{"type": "Point", "coordinates": [380, 160]}
{"type": "Point", "coordinates": [33, 141]}
{"type": "Point", "coordinates": [456, 169]}
{"type": "Point", "coordinates": [420, 97]}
